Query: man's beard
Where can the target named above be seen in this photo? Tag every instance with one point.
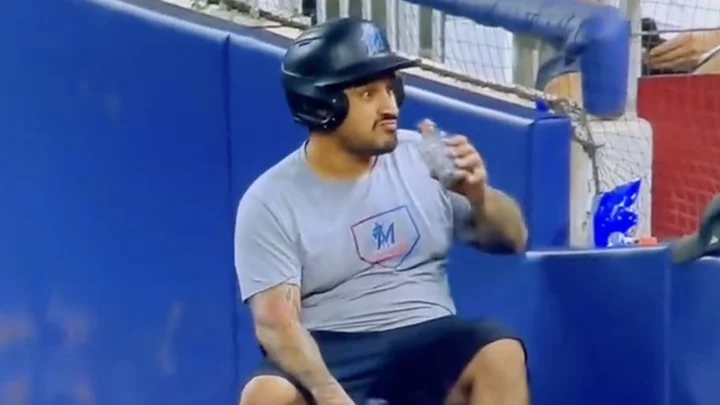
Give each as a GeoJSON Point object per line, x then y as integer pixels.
{"type": "Point", "coordinates": [369, 149]}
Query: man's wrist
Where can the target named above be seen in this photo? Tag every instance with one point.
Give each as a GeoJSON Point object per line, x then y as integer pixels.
{"type": "Point", "coordinates": [330, 393]}
{"type": "Point", "coordinates": [331, 385]}
{"type": "Point", "coordinates": [478, 196]}
{"type": "Point", "coordinates": [499, 220]}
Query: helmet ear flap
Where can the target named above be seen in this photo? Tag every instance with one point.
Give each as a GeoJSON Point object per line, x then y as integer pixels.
{"type": "Point", "coordinates": [323, 110]}
{"type": "Point", "coordinates": [316, 108]}
{"type": "Point", "coordinates": [399, 90]}
{"type": "Point", "coordinates": [337, 111]}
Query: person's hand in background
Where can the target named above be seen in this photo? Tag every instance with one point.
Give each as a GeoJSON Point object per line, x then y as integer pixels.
{"type": "Point", "coordinates": [684, 52]}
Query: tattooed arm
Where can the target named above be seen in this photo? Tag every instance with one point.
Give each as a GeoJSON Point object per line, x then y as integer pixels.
{"type": "Point", "coordinates": [269, 271]}
{"type": "Point", "coordinates": [276, 314]}
{"type": "Point", "coordinates": [499, 223]}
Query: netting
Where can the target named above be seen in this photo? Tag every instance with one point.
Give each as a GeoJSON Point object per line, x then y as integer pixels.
{"type": "Point", "coordinates": [686, 123]}
{"type": "Point", "coordinates": [606, 153]}
{"type": "Point", "coordinates": [682, 101]}
{"type": "Point", "coordinates": [686, 160]}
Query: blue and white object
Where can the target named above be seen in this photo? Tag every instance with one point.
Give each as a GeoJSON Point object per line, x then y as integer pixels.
{"type": "Point", "coordinates": [615, 217]}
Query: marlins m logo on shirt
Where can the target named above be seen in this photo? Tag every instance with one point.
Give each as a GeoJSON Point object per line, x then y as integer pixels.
{"type": "Point", "coordinates": [386, 239]}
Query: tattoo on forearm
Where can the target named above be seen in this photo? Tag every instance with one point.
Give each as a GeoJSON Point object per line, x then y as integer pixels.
{"type": "Point", "coordinates": [277, 325]}
{"type": "Point", "coordinates": [500, 224]}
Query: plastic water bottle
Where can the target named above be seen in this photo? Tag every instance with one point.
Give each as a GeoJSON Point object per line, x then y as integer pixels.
{"type": "Point", "coordinates": [435, 153]}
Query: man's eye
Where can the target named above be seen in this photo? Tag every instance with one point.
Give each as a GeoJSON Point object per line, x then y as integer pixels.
{"type": "Point", "coordinates": [366, 95]}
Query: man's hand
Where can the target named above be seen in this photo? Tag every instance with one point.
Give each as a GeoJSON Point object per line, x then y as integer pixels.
{"type": "Point", "coordinates": [470, 168]}
{"type": "Point", "coordinates": [499, 223]}
{"type": "Point", "coordinates": [684, 52]}
{"type": "Point", "coordinates": [276, 314]}
{"type": "Point", "coordinates": [471, 174]}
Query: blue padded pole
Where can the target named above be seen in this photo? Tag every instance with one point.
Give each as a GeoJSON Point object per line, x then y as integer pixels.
{"type": "Point", "coordinates": [591, 38]}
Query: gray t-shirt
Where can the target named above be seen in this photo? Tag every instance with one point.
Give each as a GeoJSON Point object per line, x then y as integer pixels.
{"type": "Point", "coordinates": [368, 254]}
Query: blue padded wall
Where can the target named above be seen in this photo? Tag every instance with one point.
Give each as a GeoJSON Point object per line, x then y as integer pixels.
{"type": "Point", "coordinates": [695, 333]}
{"type": "Point", "coordinates": [116, 213]}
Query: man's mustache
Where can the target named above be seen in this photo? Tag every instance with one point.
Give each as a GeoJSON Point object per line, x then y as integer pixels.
{"type": "Point", "coordinates": [385, 117]}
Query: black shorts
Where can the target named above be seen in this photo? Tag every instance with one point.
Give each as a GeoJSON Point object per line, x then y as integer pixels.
{"type": "Point", "coordinates": [416, 365]}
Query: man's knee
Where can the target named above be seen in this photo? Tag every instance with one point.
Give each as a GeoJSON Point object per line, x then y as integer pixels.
{"type": "Point", "coordinates": [270, 390]}
{"type": "Point", "coordinates": [502, 362]}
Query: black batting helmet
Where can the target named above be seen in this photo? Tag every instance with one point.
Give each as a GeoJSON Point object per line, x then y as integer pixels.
{"type": "Point", "coordinates": [330, 57]}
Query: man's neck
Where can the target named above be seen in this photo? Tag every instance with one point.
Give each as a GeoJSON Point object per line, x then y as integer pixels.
{"type": "Point", "coordinates": [330, 160]}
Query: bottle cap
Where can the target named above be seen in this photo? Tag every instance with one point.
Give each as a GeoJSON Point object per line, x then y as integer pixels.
{"type": "Point", "coordinates": [647, 241]}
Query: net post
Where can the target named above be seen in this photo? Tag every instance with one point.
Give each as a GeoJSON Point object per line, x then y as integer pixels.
{"type": "Point", "coordinates": [525, 61]}
{"type": "Point", "coordinates": [391, 21]}
{"type": "Point", "coordinates": [322, 10]}
{"type": "Point", "coordinates": [402, 26]}
{"type": "Point", "coordinates": [367, 8]}
{"type": "Point", "coordinates": [426, 33]}
{"type": "Point", "coordinates": [344, 8]}
{"type": "Point", "coordinates": [633, 11]}
{"type": "Point", "coordinates": [438, 35]}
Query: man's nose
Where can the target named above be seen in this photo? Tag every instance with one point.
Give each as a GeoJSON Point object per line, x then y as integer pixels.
{"type": "Point", "coordinates": [388, 105]}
